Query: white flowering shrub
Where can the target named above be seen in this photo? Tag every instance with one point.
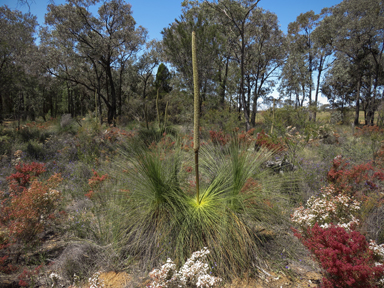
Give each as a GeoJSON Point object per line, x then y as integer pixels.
{"type": "Point", "coordinates": [377, 249]}
{"type": "Point", "coordinates": [95, 282]}
{"type": "Point", "coordinates": [164, 276]}
{"type": "Point", "coordinates": [194, 273]}
{"type": "Point", "coordinates": [18, 155]}
{"type": "Point", "coordinates": [55, 278]}
{"type": "Point", "coordinates": [340, 210]}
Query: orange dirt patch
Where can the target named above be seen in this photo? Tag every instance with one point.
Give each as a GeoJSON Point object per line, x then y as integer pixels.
{"type": "Point", "coordinates": [113, 280]}
{"type": "Point", "coordinates": [272, 280]}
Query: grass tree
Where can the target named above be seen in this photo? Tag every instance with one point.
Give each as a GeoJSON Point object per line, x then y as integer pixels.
{"type": "Point", "coordinates": [162, 220]}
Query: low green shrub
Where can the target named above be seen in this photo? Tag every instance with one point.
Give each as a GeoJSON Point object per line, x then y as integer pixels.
{"type": "Point", "coordinates": [222, 119]}
{"type": "Point", "coordinates": [35, 151]}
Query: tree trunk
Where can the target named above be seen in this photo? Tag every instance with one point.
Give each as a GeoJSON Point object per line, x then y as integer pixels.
{"type": "Point", "coordinates": [249, 95]}
{"type": "Point", "coordinates": [68, 98]}
{"type": "Point", "coordinates": [373, 103]}
{"type": "Point", "coordinates": [368, 110]}
{"type": "Point", "coordinates": [365, 117]}
{"type": "Point", "coordinates": [56, 103]}
{"type": "Point", "coordinates": [302, 100]}
{"type": "Point", "coordinates": [224, 84]}
{"type": "Point", "coordinates": [254, 107]}
{"type": "Point", "coordinates": [320, 70]}
{"type": "Point", "coordinates": [82, 104]}
{"type": "Point", "coordinates": [357, 100]}
{"type": "Point", "coordinates": [145, 105]}
{"type": "Point", "coordinates": [51, 104]}
{"type": "Point", "coordinates": [112, 107]}
{"type": "Point", "coordinates": [310, 75]}
{"type": "Point", "coordinates": [99, 100]}
{"type": "Point", "coordinates": [23, 108]}
{"type": "Point", "coordinates": [157, 107]}
{"type": "Point", "coordinates": [28, 111]}
{"type": "Point", "coordinates": [100, 110]}
{"type": "Point", "coordinates": [18, 112]}
{"type": "Point", "coordinates": [1, 108]}
{"type": "Point", "coordinates": [119, 105]}
{"type": "Point", "coordinates": [240, 104]}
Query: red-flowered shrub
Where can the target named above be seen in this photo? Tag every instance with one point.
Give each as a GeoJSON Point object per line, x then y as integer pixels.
{"type": "Point", "coordinates": [26, 209]}
{"type": "Point", "coordinates": [166, 143]}
{"type": "Point", "coordinates": [265, 141]}
{"type": "Point", "coordinates": [6, 268]}
{"type": "Point", "coordinates": [24, 214]}
{"type": "Point", "coordinates": [345, 257]}
{"type": "Point", "coordinates": [28, 277]}
{"type": "Point", "coordinates": [188, 169]}
{"type": "Point", "coordinates": [187, 142]}
{"type": "Point", "coordinates": [24, 175]}
{"type": "Point", "coordinates": [95, 182]}
{"type": "Point", "coordinates": [250, 185]}
{"type": "Point", "coordinates": [41, 126]}
{"type": "Point", "coordinates": [369, 131]}
{"type": "Point", "coordinates": [116, 135]}
{"type": "Point", "coordinates": [246, 138]}
{"type": "Point", "coordinates": [219, 137]}
{"type": "Point", "coordinates": [351, 179]}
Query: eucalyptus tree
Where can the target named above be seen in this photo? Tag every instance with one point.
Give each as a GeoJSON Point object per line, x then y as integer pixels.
{"type": "Point", "coordinates": [339, 85]}
{"type": "Point", "coordinates": [301, 35]}
{"type": "Point", "coordinates": [294, 79]}
{"type": "Point", "coordinates": [162, 85]}
{"type": "Point", "coordinates": [352, 30]}
{"type": "Point", "coordinates": [264, 56]}
{"type": "Point", "coordinates": [65, 63]}
{"type": "Point", "coordinates": [16, 46]}
{"type": "Point", "coordinates": [323, 51]}
{"type": "Point", "coordinates": [103, 42]}
{"type": "Point", "coordinates": [144, 67]}
{"type": "Point", "coordinates": [163, 79]}
{"type": "Point", "coordinates": [309, 50]}
{"type": "Point", "coordinates": [210, 48]}
{"type": "Point", "coordinates": [375, 46]}
{"type": "Point", "coordinates": [26, 2]}
{"type": "Point", "coordinates": [235, 17]}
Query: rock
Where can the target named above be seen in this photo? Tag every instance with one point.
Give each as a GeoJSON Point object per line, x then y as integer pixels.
{"type": "Point", "coordinates": [326, 136]}
{"type": "Point", "coordinates": [66, 120]}
{"type": "Point", "coordinates": [280, 166]}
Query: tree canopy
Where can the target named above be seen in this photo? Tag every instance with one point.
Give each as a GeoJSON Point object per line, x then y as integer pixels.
{"type": "Point", "coordinates": [103, 62]}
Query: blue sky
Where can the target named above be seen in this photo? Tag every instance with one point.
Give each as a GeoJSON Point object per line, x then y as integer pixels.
{"type": "Point", "coordinates": [155, 15]}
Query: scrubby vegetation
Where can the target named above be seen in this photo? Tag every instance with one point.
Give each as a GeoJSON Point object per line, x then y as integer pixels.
{"type": "Point", "coordinates": [124, 199]}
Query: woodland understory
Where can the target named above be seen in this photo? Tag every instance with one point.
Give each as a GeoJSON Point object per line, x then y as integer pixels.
{"type": "Point", "coordinates": [79, 198]}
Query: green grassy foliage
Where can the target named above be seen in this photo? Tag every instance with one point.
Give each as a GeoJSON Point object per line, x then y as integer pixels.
{"type": "Point", "coordinates": [163, 220]}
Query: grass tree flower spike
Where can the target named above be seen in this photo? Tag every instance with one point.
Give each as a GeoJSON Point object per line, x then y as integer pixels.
{"type": "Point", "coordinates": [196, 143]}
